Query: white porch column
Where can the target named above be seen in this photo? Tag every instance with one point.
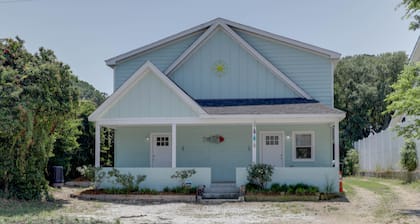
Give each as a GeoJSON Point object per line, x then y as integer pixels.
{"type": "Point", "coordinates": [254, 143]}
{"type": "Point", "coordinates": [173, 144]}
{"type": "Point", "coordinates": [97, 145]}
{"type": "Point", "coordinates": [336, 145]}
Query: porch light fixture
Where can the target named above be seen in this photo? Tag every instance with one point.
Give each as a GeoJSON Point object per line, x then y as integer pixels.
{"type": "Point", "coordinates": [288, 137]}
{"type": "Point", "coordinates": [147, 138]}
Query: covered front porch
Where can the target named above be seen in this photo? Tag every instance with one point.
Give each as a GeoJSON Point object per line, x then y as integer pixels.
{"type": "Point", "coordinates": [158, 150]}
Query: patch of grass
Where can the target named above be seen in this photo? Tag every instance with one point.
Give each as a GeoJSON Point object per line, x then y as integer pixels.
{"type": "Point", "coordinates": [16, 211]}
{"type": "Point", "coordinates": [348, 190]}
{"type": "Point", "coordinates": [387, 196]}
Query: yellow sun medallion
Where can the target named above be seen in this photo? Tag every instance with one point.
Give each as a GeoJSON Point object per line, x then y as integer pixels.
{"type": "Point", "coordinates": [219, 68]}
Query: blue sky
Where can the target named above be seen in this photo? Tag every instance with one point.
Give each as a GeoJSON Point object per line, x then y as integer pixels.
{"type": "Point", "coordinates": [83, 33]}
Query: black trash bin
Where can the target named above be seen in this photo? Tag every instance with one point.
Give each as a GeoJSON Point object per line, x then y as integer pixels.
{"type": "Point", "coordinates": [58, 176]}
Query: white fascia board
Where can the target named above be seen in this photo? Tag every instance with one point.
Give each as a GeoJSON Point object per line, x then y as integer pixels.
{"type": "Point", "coordinates": [133, 80]}
{"type": "Point", "coordinates": [197, 43]}
{"type": "Point", "coordinates": [225, 119]}
{"type": "Point", "coordinates": [114, 60]}
{"type": "Point", "coordinates": [286, 40]}
{"type": "Point", "coordinates": [265, 62]}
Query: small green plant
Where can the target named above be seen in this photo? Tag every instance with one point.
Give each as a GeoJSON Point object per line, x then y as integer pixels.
{"type": "Point", "coordinates": [409, 158]}
{"type": "Point", "coordinates": [87, 171]}
{"type": "Point", "coordinates": [183, 175]}
{"type": "Point", "coordinates": [351, 162]}
{"type": "Point", "coordinates": [127, 181]}
{"type": "Point", "coordinates": [260, 174]}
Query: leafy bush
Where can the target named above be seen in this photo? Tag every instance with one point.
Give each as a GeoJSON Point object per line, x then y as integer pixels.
{"type": "Point", "coordinates": [409, 158]}
{"type": "Point", "coordinates": [351, 162]}
{"type": "Point", "coordinates": [87, 171]}
{"type": "Point", "coordinates": [260, 174]}
{"type": "Point", "coordinates": [183, 175]}
{"type": "Point", "coordinates": [127, 181]}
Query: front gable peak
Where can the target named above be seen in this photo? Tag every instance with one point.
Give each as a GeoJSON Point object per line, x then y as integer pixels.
{"type": "Point", "coordinates": [148, 93]}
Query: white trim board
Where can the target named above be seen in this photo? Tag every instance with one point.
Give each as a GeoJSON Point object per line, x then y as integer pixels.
{"type": "Point", "coordinates": [133, 80]}
{"type": "Point", "coordinates": [294, 43]}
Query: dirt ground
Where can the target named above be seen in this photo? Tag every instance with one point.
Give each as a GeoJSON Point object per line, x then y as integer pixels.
{"type": "Point", "coordinates": [361, 205]}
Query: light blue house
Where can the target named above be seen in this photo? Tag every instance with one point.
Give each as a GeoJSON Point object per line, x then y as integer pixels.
{"type": "Point", "coordinates": [218, 97]}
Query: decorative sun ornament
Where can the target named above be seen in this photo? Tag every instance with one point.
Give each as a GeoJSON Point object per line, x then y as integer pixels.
{"type": "Point", "coordinates": [219, 68]}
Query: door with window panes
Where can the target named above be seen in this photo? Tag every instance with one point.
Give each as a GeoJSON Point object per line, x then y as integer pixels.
{"type": "Point", "coordinates": [161, 150]}
{"type": "Point", "coordinates": [272, 148]}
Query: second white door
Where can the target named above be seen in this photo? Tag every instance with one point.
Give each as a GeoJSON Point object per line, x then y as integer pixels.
{"type": "Point", "coordinates": [272, 148]}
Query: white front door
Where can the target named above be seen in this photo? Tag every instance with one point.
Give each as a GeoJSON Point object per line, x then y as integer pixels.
{"type": "Point", "coordinates": [161, 154]}
{"type": "Point", "coordinates": [272, 148]}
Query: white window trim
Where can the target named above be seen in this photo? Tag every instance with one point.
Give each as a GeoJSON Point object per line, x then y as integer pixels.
{"type": "Point", "coordinates": [294, 133]}
{"type": "Point", "coordinates": [261, 142]}
{"type": "Point", "coordinates": [152, 135]}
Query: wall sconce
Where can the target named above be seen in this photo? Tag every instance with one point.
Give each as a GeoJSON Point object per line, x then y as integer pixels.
{"type": "Point", "coordinates": [288, 137]}
{"type": "Point", "coordinates": [147, 139]}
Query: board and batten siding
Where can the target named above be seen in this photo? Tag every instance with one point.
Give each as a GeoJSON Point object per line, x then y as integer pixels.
{"type": "Point", "coordinates": [132, 149]}
{"type": "Point", "coordinates": [323, 143]}
{"type": "Point", "coordinates": [150, 97]}
{"type": "Point", "coordinates": [161, 57]}
{"type": "Point", "coordinates": [311, 72]}
{"type": "Point", "coordinates": [244, 76]}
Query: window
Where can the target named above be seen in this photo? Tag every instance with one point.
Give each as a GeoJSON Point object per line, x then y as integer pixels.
{"type": "Point", "coordinates": [303, 146]}
{"type": "Point", "coordinates": [271, 140]}
{"type": "Point", "coordinates": [162, 141]}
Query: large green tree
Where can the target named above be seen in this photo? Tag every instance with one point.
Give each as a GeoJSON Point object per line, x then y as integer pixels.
{"type": "Point", "coordinates": [411, 10]}
{"type": "Point", "coordinates": [361, 85]}
{"type": "Point", "coordinates": [36, 96]}
{"type": "Point", "coordinates": [405, 101]}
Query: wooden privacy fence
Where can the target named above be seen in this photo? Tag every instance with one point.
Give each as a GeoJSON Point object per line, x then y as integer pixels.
{"type": "Point", "coordinates": [381, 151]}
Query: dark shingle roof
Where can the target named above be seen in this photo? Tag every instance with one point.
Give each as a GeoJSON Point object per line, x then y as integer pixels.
{"type": "Point", "coordinates": [310, 108]}
{"type": "Point", "coordinates": [249, 102]}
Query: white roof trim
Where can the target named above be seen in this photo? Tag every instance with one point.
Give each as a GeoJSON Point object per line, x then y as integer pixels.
{"type": "Point", "coordinates": [133, 80]}
{"type": "Point", "coordinates": [114, 60]}
{"type": "Point", "coordinates": [232, 119]}
{"type": "Point", "coordinates": [205, 36]}
{"type": "Point", "coordinates": [330, 54]}
{"type": "Point", "coordinates": [289, 41]}
{"type": "Point", "coordinates": [191, 49]}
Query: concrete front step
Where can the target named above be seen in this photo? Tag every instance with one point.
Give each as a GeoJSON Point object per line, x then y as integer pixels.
{"type": "Point", "coordinates": [221, 191]}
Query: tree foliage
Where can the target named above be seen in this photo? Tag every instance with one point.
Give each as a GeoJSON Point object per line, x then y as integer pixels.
{"type": "Point", "coordinates": [361, 85]}
{"type": "Point", "coordinates": [409, 156]}
{"type": "Point", "coordinates": [405, 101]}
{"type": "Point", "coordinates": [36, 96]}
{"type": "Point", "coordinates": [411, 9]}
{"type": "Point", "coordinates": [351, 162]}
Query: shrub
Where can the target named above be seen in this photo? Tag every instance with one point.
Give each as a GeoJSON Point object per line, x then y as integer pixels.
{"type": "Point", "coordinates": [409, 157]}
{"type": "Point", "coordinates": [260, 174]}
{"type": "Point", "coordinates": [87, 171]}
{"type": "Point", "coordinates": [183, 175]}
{"type": "Point", "coordinates": [275, 188]}
{"type": "Point", "coordinates": [127, 181]}
{"type": "Point", "coordinates": [351, 162]}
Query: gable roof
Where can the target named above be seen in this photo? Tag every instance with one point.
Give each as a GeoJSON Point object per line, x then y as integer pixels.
{"type": "Point", "coordinates": [291, 42]}
{"type": "Point", "coordinates": [131, 82]}
{"type": "Point", "coordinates": [244, 45]}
